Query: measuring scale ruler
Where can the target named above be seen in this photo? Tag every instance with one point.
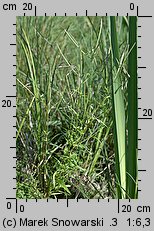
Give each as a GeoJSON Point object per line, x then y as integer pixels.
{"type": "Point", "coordinates": [76, 214]}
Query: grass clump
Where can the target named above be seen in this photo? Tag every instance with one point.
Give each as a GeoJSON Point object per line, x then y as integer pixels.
{"type": "Point", "coordinates": [65, 95]}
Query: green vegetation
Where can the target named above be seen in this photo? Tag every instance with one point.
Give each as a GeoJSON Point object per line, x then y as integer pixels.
{"type": "Point", "coordinates": [131, 158]}
{"type": "Point", "coordinates": [119, 113]}
{"type": "Point", "coordinates": [125, 145]}
{"type": "Point", "coordinates": [74, 126]}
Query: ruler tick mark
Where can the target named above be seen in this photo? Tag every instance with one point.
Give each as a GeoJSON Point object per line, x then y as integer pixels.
{"type": "Point", "coordinates": [145, 118]}
{"type": "Point", "coordinates": [141, 67]}
{"type": "Point", "coordinates": [35, 11]}
{"type": "Point", "coordinates": [118, 206]}
{"type": "Point", "coordinates": [145, 16]}
{"type": "Point", "coordinates": [10, 96]}
{"type": "Point", "coordinates": [137, 11]}
{"type": "Point", "coordinates": [67, 202]}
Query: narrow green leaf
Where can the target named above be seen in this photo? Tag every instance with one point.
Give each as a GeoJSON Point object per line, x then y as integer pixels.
{"type": "Point", "coordinates": [119, 114]}
{"type": "Point", "coordinates": [131, 156]}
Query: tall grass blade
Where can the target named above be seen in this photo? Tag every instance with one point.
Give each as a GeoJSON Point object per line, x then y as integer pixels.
{"type": "Point", "coordinates": [119, 114]}
{"type": "Point", "coordinates": [131, 157]}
